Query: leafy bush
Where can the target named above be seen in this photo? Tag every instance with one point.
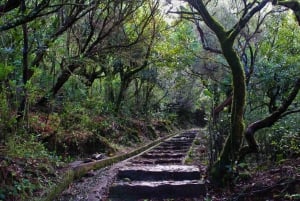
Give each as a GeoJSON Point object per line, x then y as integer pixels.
{"type": "Point", "coordinates": [25, 146]}
{"type": "Point", "coordinates": [280, 141]}
{"type": "Point", "coordinates": [7, 120]}
{"type": "Point", "coordinates": [285, 145]}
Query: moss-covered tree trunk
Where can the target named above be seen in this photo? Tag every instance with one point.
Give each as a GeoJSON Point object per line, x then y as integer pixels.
{"type": "Point", "coordinates": [226, 38]}
{"type": "Point", "coordinates": [233, 142]}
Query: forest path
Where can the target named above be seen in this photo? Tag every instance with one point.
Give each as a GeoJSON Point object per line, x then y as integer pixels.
{"type": "Point", "coordinates": [160, 173]}
{"type": "Point", "coordinates": [156, 174]}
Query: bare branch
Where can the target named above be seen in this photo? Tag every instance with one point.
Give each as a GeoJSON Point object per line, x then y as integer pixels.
{"type": "Point", "coordinates": [244, 20]}
{"type": "Point", "coordinates": [290, 112]}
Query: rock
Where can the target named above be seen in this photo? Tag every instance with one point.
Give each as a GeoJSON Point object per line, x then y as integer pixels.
{"type": "Point", "coordinates": [159, 172]}
{"type": "Point", "coordinates": [97, 156]}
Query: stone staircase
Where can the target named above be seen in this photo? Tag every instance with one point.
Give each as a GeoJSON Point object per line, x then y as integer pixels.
{"type": "Point", "coordinates": [160, 174]}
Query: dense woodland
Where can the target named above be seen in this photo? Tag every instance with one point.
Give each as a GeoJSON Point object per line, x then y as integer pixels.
{"type": "Point", "coordinates": [106, 76]}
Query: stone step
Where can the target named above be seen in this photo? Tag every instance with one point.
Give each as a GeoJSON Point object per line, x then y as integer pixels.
{"type": "Point", "coordinates": [180, 141]}
{"type": "Point", "coordinates": [172, 147]}
{"type": "Point", "coordinates": [159, 172]}
{"type": "Point", "coordinates": [177, 143]}
{"type": "Point", "coordinates": [185, 135]}
{"type": "Point", "coordinates": [155, 151]}
{"type": "Point", "coordinates": [163, 155]}
{"type": "Point", "coordinates": [156, 189]}
{"type": "Point", "coordinates": [158, 161]}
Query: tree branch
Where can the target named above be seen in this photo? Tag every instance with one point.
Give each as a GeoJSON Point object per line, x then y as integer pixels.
{"type": "Point", "coordinates": [203, 41]}
{"type": "Point", "coordinates": [208, 19]}
{"type": "Point", "coordinates": [267, 122]}
{"type": "Point", "coordinates": [245, 19]}
{"type": "Point", "coordinates": [33, 14]}
{"type": "Point", "coordinates": [10, 5]}
{"type": "Point", "coordinates": [290, 112]}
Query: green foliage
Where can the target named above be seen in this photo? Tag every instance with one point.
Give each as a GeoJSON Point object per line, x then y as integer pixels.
{"type": "Point", "coordinates": [7, 119]}
{"type": "Point", "coordinates": [25, 167]}
{"type": "Point", "coordinates": [292, 197]}
{"type": "Point", "coordinates": [284, 143]}
{"type": "Point", "coordinates": [86, 114]}
{"type": "Point", "coordinates": [108, 50]}
{"type": "Point", "coordinates": [197, 142]}
{"type": "Point", "coordinates": [21, 190]}
{"type": "Point", "coordinates": [74, 116]}
{"type": "Point", "coordinates": [26, 146]}
{"type": "Point", "coordinates": [281, 141]}
{"type": "Point", "coordinates": [279, 51]}
{"type": "Point", "coordinates": [5, 71]}
{"type": "Point", "coordinates": [274, 77]}
{"type": "Point", "coordinates": [130, 137]}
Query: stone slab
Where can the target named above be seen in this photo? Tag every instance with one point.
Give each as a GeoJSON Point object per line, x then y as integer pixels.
{"type": "Point", "coordinates": [159, 172]}
{"type": "Point", "coordinates": [158, 161]}
{"type": "Point", "coordinates": [163, 155]}
{"type": "Point", "coordinates": [161, 190]}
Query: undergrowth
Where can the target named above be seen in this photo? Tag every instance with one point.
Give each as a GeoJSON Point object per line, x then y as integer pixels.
{"type": "Point", "coordinates": [32, 156]}
{"type": "Point", "coordinates": [26, 167]}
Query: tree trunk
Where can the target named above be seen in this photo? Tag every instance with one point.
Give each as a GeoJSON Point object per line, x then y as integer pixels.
{"type": "Point", "coordinates": [125, 81]}
{"type": "Point", "coordinates": [22, 106]}
{"type": "Point", "coordinates": [61, 80]}
{"type": "Point", "coordinates": [226, 38]}
{"type": "Point", "coordinates": [220, 108]}
{"type": "Point", "coordinates": [233, 142]}
{"type": "Point", "coordinates": [148, 90]}
{"type": "Point", "coordinates": [137, 93]}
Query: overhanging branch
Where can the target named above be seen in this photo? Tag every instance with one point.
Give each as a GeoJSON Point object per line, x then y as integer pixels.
{"type": "Point", "coordinates": [268, 121]}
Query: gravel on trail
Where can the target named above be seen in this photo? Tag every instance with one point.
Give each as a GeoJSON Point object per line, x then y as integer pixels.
{"type": "Point", "coordinates": [93, 186]}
